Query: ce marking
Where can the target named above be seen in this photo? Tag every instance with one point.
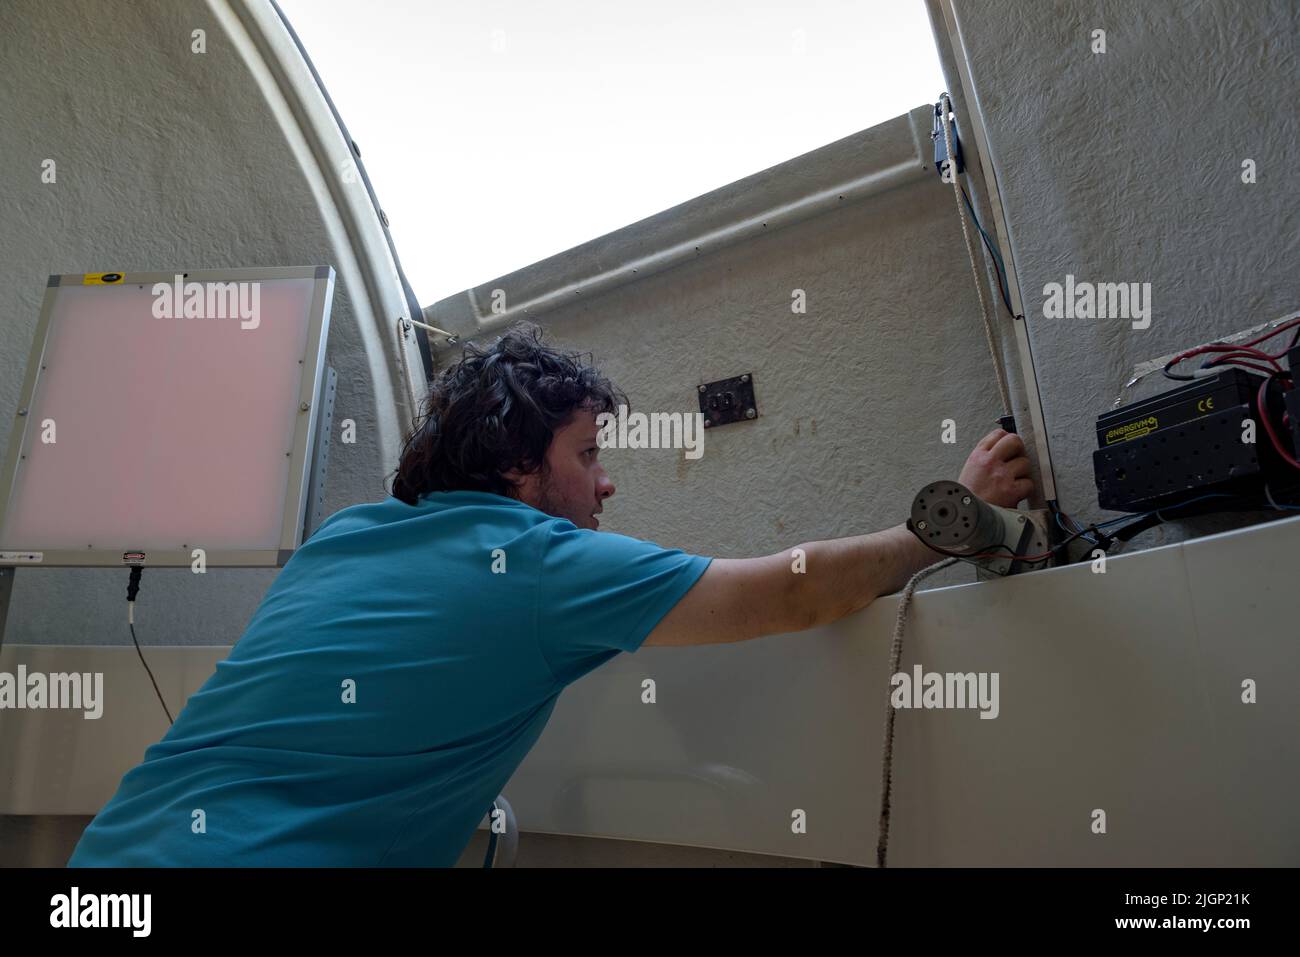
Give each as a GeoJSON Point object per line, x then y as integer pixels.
{"type": "Point", "coordinates": [1205, 405]}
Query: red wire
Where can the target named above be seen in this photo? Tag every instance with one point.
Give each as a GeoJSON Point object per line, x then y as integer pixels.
{"type": "Point", "coordinates": [1242, 362]}
{"type": "Point", "coordinates": [1243, 349]}
{"type": "Point", "coordinates": [1269, 335]}
{"type": "Point", "coordinates": [1228, 353]}
{"type": "Point", "coordinates": [1015, 558]}
{"type": "Point", "coordinates": [1260, 399]}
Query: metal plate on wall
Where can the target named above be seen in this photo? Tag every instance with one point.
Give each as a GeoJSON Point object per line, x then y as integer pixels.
{"type": "Point", "coordinates": [728, 400]}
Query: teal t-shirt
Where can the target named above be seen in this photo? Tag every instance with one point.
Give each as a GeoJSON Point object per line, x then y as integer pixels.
{"type": "Point", "coordinates": [396, 673]}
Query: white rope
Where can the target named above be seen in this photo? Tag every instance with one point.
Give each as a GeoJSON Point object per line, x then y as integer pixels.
{"type": "Point", "coordinates": [887, 751]}
{"type": "Point", "coordinates": [998, 372]}
{"type": "Point", "coordinates": [442, 332]}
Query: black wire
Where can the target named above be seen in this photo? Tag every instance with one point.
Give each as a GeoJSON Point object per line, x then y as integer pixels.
{"type": "Point", "coordinates": [1176, 376]}
{"type": "Point", "coordinates": [1002, 545]}
{"type": "Point", "coordinates": [997, 256]}
{"type": "Point", "coordinates": [151, 678]}
{"type": "Point", "coordinates": [1077, 535]}
{"type": "Point", "coordinates": [133, 589]}
{"type": "Point", "coordinates": [1105, 537]}
{"type": "Point", "coordinates": [1215, 360]}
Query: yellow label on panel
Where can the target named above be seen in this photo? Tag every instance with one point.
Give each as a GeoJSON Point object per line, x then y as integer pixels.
{"type": "Point", "coordinates": [1132, 430]}
{"type": "Point", "coordinates": [101, 278]}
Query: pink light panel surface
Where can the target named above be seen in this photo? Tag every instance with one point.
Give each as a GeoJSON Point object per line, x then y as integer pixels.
{"type": "Point", "coordinates": [169, 432]}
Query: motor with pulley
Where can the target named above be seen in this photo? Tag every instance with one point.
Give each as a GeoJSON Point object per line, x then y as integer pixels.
{"type": "Point", "coordinates": [953, 521]}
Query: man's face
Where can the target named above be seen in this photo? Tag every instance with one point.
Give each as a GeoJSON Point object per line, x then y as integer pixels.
{"type": "Point", "coordinates": [573, 485]}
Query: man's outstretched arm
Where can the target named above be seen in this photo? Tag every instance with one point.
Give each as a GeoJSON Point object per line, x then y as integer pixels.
{"type": "Point", "coordinates": [741, 598]}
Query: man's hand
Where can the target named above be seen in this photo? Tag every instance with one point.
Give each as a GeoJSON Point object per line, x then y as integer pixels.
{"type": "Point", "coordinates": [998, 470]}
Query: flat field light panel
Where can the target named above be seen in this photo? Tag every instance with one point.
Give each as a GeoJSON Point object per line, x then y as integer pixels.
{"type": "Point", "coordinates": [167, 412]}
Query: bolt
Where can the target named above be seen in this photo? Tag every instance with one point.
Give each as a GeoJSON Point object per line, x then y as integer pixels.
{"type": "Point", "coordinates": [750, 413]}
{"type": "Point", "coordinates": [965, 499]}
{"type": "Point", "coordinates": [303, 407]}
{"type": "Point", "coordinates": [923, 525]}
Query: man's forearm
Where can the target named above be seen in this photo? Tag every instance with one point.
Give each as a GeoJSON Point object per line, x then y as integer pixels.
{"type": "Point", "coordinates": [844, 575]}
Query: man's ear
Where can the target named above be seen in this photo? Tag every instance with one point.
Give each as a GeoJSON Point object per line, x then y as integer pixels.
{"type": "Point", "coordinates": [522, 483]}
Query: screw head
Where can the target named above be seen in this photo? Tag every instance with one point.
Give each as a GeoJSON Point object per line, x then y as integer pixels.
{"type": "Point", "coordinates": [22, 411]}
{"type": "Point", "coordinates": [704, 388]}
{"type": "Point", "coordinates": [750, 413]}
{"type": "Point", "coordinates": [707, 423]}
{"type": "Point", "coordinates": [745, 378]}
{"type": "Point", "coordinates": [303, 407]}
{"type": "Point", "coordinates": [965, 499]}
{"type": "Point", "coordinates": [923, 525]}
{"type": "Point", "coordinates": [1021, 520]}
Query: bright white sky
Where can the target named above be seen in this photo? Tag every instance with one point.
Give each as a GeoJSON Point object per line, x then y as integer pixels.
{"type": "Point", "coordinates": [500, 132]}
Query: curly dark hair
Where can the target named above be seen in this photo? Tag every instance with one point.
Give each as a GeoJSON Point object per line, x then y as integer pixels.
{"type": "Point", "coordinates": [495, 410]}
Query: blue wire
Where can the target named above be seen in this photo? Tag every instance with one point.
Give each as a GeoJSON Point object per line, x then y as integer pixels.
{"type": "Point", "coordinates": [1116, 521]}
{"type": "Point", "coordinates": [997, 256]}
{"type": "Point", "coordinates": [993, 249]}
{"type": "Point", "coordinates": [1071, 530]}
{"type": "Point", "coordinates": [1193, 501]}
{"type": "Point", "coordinates": [1136, 518]}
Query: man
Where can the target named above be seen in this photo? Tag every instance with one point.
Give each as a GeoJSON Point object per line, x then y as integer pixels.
{"type": "Point", "coordinates": [410, 653]}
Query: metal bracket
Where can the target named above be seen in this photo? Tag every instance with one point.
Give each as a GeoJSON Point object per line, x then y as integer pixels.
{"type": "Point", "coordinates": [728, 400]}
{"type": "Point", "coordinates": [324, 423]}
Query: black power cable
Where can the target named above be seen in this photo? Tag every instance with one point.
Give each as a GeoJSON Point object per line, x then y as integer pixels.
{"type": "Point", "coordinates": [133, 589]}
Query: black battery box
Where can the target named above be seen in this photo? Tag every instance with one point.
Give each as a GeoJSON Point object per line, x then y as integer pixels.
{"type": "Point", "coordinates": [1190, 439]}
